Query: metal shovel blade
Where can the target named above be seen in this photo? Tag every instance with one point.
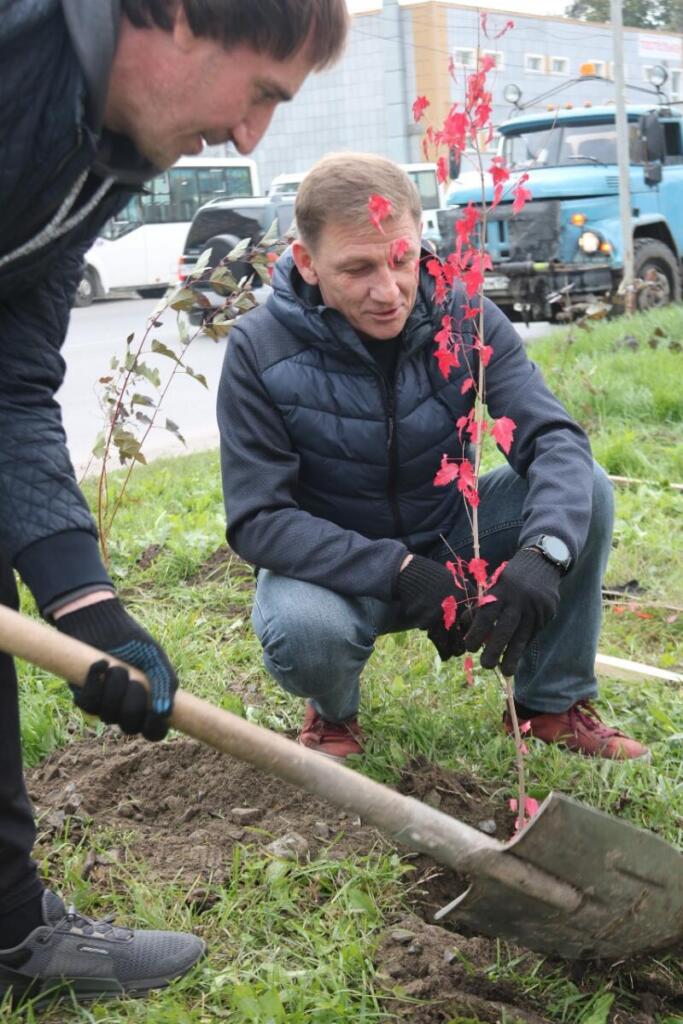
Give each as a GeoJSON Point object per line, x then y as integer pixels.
{"type": "Point", "coordinates": [628, 885]}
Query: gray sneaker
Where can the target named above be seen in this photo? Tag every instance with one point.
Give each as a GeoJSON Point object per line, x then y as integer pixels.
{"type": "Point", "coordinates": [93, 959]}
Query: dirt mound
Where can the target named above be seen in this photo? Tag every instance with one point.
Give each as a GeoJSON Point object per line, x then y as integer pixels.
{"type": "Point", "coordinates": [181, 808]}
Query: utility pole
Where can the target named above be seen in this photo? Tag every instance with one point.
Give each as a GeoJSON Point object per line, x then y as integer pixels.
{"type": "Point", "coordinates": [623, 157]}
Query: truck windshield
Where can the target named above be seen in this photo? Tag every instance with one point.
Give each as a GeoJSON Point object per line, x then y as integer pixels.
{"type": "Point", "coordinates": [564, 145]}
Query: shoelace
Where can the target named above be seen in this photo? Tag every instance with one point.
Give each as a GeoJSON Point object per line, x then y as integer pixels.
{"type": "Point", "coordinates": [583, 713]}
{"type": "Point", "coordinates": [88, 926]}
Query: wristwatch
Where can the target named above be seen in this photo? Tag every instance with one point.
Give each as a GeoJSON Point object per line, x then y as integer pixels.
{"type": "Point", "coordinates": [553, 550]}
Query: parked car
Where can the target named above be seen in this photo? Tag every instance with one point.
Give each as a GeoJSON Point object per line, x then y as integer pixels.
{"type": "Point", "coordinates": [220, 224]}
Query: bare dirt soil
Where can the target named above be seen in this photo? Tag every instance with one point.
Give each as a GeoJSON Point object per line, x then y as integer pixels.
{"type": "Point", "coordinates": [180, 808]}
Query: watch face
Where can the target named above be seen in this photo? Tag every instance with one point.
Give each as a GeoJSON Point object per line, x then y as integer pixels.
{"type": "Point", "coordinates": [556, 549]}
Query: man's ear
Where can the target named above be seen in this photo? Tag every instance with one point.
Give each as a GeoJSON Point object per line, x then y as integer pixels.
{"type": "Point", "coordinates": [183, 37]}
{"type": "Point", "coordinates": [304, 262]}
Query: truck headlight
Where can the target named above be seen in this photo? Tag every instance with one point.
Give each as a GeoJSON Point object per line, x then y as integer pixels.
{"type": "Point", "coordinates": [589, 242]}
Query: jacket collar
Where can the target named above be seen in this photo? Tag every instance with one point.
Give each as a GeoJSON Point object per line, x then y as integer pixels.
{"type": "Point", "coordinates": [94, 29]}
{"type": "Point", "coordinates": [300, 308]}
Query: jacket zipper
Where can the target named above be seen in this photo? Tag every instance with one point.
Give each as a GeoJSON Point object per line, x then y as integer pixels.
{"type": "Point", "coordinates": [389, 391]}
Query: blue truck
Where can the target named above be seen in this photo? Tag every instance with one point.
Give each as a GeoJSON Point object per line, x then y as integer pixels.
{"type": "Point", "coordinates": [566, 244]}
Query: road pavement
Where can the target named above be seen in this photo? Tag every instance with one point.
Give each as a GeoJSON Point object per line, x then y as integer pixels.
{"type": "Point", "coordinates": [98, 332]}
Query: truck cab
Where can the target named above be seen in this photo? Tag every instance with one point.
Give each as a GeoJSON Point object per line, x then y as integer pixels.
{"type": "Point", "coordinates": [569, 233]}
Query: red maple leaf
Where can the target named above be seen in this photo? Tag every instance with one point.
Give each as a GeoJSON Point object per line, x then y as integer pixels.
{"type": "Point", "coordinates": [442, 174]}
{"type": "Point", "coordinates": [445, 336]}
{"type": "Point", "coordinates": [379, 208]}
{"type": "Point", "coordinates": [449, 605]}
{"type": "Point", "coordinates": [467, 477]}
{"type": "Point", "coordinates": [485, 599]}
{"type": "Point", "coordinates": [498, 171]}
{"type": "Point", "coordinates": [478, 567]}
{"type": "Point", "coordinates": [503, 430]}
{"type": "Point", "coordinates": [522, 195]}
{"type": "Point", "coordinates": [468, 665]}
{"type": "Point", "coordinates": [397, 250]}
{"type": "Point", "coordinates": [496, 574]}
{"type": "Point", "coordinates": [467, 385]}
{"type": "Point", "coordinates": [419, 107]}
{"type": "Point", "coordinates": [457, 570]}
{"type": "Point", "coordinates": [447, 360]}
{"type": "Point", "coordinates": [448, 472]}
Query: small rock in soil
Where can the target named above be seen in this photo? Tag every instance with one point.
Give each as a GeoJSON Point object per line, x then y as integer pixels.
{"type": "Point", "coordinates": [322, 830]}
{"type": "Point", "coordinates": [414, 948]}
{"type": "Point", "coordinates": [291, 846]}
{"type": "Point", "coordinates": [174, 804]}
{"type": "Point", "coordinates": [433, 798]}
{"type": "Point", "coordinates": [89, 865]}
{"type": "Point", "coordinates": [55, 820]}
{"type": "Point", "coordinates": [189, 814]}
{"type": "Point", "coordinates": [125, 810]}
{"type": "Point", "coordinates": [402, 936]}
{"type": "Point", "coordinates": [488, 826]}
{"type": "Point", "coordinates": [246, 815]}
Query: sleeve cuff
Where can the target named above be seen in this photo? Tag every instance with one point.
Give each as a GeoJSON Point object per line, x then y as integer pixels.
{"type": "Point", "coordinates": [60, 564]}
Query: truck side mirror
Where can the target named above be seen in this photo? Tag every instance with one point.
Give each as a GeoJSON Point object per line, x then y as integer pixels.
{"type": "Point", "coordinates": [652, 134]}
{"type": "Point", "coordinates": [453, 165]}
{"type": "Point", "coordinates": [652, 172]}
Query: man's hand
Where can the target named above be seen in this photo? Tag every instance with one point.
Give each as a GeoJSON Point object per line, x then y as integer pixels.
{"type": "Point", "coordinates": [422, 587]}
{"type": "Point", "coordinates": [527, 597]}
{"type": "Point", "coordinates": [109, 692]}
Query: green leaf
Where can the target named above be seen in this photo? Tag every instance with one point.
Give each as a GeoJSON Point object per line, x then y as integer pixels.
{"type": "Point", "coordinates": [598, 1012]}
{"type": "Point", "coordinates": [98, 447]}
{"type": "Point", "coordinates": [239, 250]}
{"type": "Point", "coordinates": [173, 428]}
{"type": "Point", "coordinates": [141, 400]}
{"type": "Point", "coordinates": [149, 373]}
{"type": "Point", "coordinates": [201, 264]}
{"type": "Point", "coordinates": [197, 376]}
{"type": "Point", "coordinates": [184, 298]}
{"type": "Point", "coordinates": [128, 446]}
{"type": "Point", "coordinates": [359, 900]}
{"type": "Point", "coordinates": [222, 276]}
{"type": "Point", "coordinates": [271, 235]}
{"type": "Point", "coordinates": [164, 350]}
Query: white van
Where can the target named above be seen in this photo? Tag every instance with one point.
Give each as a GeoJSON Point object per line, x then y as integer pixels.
{"type": "Point", "coordinates": [432, 193]}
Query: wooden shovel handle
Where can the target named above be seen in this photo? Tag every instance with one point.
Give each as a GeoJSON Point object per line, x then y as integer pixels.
{"type": "Point", "coordinates": [405, 819]}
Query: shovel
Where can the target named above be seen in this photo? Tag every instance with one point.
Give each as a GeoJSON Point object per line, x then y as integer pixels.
{"type": "Point", "coordinates": [575, 883]}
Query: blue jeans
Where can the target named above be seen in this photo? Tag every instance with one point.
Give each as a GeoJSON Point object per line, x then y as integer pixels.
{"type": "Point", "coordinates": [316, 642]}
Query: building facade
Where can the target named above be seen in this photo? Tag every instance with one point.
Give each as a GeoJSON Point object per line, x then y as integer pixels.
{"type": "Point", "coordinates": [402, 51]}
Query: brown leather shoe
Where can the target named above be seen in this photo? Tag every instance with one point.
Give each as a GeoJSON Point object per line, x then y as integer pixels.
{"type": "Point", "coordinates": [335, 740]}
{"type": "Point", "coordinates": [581, 730]}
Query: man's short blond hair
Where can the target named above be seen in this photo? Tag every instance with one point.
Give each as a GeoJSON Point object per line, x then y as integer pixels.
{"type": "Point", "coordinates": [338, 188]}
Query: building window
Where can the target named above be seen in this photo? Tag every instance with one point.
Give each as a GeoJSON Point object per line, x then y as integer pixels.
{"type": "Point", "coordinates": [600, 68]}
{"type": "Point", "coordinates": [498, 58]}
{"type": "Point", "coordinates": [465, 58]}
{"type": "Point", "coordinates": [535, 63]}
{"type": "Point", "coordinates": [675, 83]}
{"type": "Point", "coordinates": [559, 66]}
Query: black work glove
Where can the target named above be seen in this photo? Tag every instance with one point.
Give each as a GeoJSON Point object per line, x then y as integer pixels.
{"type": "Point", "coordinates": [108, 691]}
{"type": "Point", "coordinates": [527, 597]}
{"type": "Point", "coordinates": [421, 588]}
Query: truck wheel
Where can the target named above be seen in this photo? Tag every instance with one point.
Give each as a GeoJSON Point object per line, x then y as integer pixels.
{"type": "Point", "coordinates": [153, 293]}
{"type": "Point", "coordinates": [88, 288]}
{"type": "Point", "coordinates": [655, 264]}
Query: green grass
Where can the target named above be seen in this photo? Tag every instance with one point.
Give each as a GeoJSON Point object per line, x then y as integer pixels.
{"type": "Point", "coordinates": [277, 953]}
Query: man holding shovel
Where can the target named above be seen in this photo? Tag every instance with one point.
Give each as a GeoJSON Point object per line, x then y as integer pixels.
{"type": "Point", "coordinates": [98, 97]}
{"type": "Point", "coordinates": [334, 420]}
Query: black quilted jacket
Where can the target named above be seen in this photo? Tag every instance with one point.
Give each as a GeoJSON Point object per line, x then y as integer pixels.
{"type": "Point", "coordinates": [61, 178]}
{"type": "Point", "coordinates": [328, 469]}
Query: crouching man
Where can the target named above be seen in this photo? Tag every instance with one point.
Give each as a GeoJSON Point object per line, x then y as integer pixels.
{"type": "Point", "coordinates": [334, 419]}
